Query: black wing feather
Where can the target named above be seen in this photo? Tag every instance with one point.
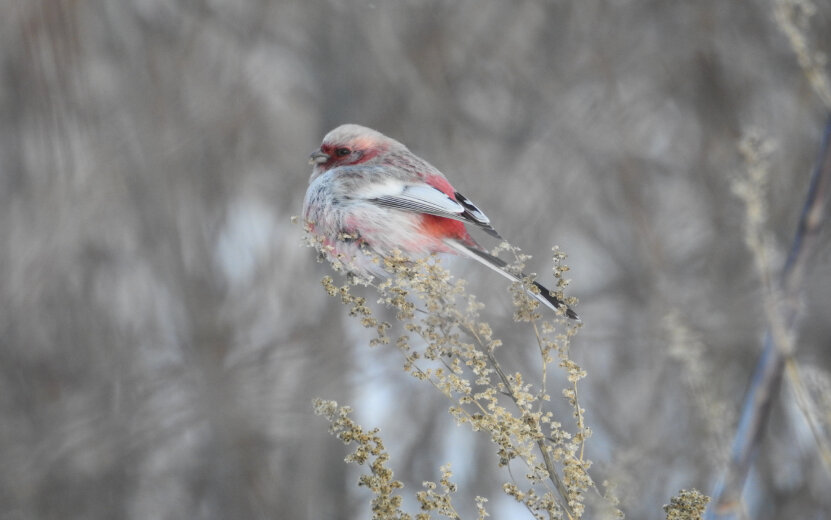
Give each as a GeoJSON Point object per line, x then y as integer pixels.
{"type": "Point", "coordinates": [475, 215]}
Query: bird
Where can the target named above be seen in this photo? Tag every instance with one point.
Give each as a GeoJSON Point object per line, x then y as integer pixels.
{"type": "Point", "coordinates": [369, 192]}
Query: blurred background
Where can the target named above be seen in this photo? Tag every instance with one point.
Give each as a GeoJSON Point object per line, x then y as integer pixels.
{"type": "Point", "coordinates": [162, 327]}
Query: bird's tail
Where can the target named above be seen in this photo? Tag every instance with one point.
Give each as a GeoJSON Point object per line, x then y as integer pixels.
{"type": "Point", "coordinates": [500, 266]}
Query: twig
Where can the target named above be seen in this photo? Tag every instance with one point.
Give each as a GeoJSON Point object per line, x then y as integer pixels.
{"type": "Point", "coordinates": [767, 378]}
{"type": "Point", "coordinates": [546, 457]}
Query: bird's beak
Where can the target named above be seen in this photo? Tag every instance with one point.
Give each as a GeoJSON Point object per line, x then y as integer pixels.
{"type": "Point", "coordinates": [318, 157]}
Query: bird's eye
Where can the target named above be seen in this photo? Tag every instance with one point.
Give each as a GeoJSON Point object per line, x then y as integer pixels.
{"type": "Point", "coordinates": [340, 152]}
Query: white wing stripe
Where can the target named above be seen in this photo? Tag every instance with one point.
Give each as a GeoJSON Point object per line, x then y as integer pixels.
{"type": "Point", "coordinates": [425, 199]}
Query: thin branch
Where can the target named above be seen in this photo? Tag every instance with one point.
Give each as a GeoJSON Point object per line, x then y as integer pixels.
{"type": "Point", "coordinates": [767, 378]}
{"type": "Point", "coordinates": [549, 464]}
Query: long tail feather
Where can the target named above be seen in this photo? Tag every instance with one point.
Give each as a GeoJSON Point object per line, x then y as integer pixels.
{"type": "Point", "coordinates": [500, 266]}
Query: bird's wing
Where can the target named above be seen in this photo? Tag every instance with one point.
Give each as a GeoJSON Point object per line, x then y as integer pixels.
{"type": "Point", "coordinates": [423, 198]}
{"type": "Point", "coordinates": [475, 215]}
{"type": "Point", "coordinates": [420, 198]}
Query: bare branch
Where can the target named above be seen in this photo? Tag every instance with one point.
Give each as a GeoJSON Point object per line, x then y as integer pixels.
{"type": "Point", "coordinates": [767, 378]}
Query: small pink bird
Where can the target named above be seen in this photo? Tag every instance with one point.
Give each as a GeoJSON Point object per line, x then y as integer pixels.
{"type": "Point", "coordinates": [368, 191]}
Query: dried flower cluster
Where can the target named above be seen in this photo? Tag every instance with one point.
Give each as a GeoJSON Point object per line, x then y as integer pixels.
{"type": "Point", "coordinates": [386, 504]}
{"type": "Point", "coordinates": [446, 344]}
{"type": "Point", "coordinates": [793, 18]}
{"type": "Point", "coordinates": [688, 505]}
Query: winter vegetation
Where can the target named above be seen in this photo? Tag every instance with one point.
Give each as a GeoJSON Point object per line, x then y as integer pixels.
{"type": "Point", "coordinates": [166, 348]}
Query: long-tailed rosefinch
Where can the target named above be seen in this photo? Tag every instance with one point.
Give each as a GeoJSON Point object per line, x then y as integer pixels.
{"type": "Point", "coordinates": [369, 192]}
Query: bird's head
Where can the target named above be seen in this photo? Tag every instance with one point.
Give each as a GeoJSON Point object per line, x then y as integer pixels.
{"type": "Point", "coordinates": [348, 145]}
